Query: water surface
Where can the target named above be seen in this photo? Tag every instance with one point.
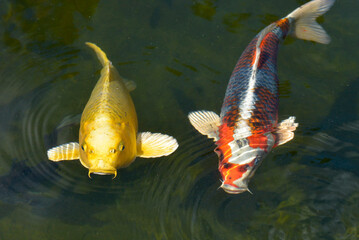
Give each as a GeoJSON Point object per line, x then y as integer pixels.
{"type": "Point", "coordinates": [180, 54]}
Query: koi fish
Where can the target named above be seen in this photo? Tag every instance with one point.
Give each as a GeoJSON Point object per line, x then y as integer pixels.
{"type": "Point", "coordinates": [247, 128]}
{"type": "Point", "coordinates": [108, 137]}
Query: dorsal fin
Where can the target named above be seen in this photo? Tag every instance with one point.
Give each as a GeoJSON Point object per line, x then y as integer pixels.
{"type": "Point", "coordinates": [263, 33]}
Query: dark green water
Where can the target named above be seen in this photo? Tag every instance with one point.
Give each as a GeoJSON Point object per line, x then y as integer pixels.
{"type": "Point", "coordinates": [181, 54]}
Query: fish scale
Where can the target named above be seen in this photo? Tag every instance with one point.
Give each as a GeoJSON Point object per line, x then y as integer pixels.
{"type": "Point", "coordinates": [261, 102]}
{"type": "Point", "coordinates": [108, 137]}
{"type": "Point", "coordinates": [248, 128]}
{"type": "Point", "coordinates": [239, 80]}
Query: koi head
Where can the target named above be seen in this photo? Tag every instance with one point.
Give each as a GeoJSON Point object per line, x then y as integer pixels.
{"type": "Point", "coordinates": [235, 177]}
{"type": "Point", "coordinates": [239, 159]}
{"type": "Point", "coordinates": [104, 149]}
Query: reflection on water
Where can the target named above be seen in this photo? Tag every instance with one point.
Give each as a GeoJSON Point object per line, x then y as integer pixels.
{"type": "Point", "coordinates": [204, 8]}
{"type": "Point", "coordinates": [181, 56]}
{"type": "Point", "coordinates": [267, 19]}
{"type": "Point", "coordinates": [233, 21]}
{"type": "Point", "coordinates": [44, 21]}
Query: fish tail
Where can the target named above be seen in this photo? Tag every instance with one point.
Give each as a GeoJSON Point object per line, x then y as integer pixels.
{"type": "Point", "coordinates": [305, 26]}
{"type": "Point", "coordinates": [100, 54]}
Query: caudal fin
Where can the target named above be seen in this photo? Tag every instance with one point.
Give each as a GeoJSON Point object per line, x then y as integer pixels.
{"type": "Point", "coordinates": [305, 26]}
{"type": "Point", "coordinates": [100, 54]}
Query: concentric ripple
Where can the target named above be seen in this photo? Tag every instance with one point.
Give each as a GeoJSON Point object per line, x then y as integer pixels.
{"type": "Point", "coordinates": [186, 201]}
{"type": "Point", "coordinates": [27, 116]}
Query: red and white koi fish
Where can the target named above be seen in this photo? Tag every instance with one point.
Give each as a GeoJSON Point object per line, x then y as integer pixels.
{"type": "Point", "coordinates": [248, 128]}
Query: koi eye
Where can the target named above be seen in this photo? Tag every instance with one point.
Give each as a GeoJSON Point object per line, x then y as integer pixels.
{"type": "Point", "coordinates": [91, 151]}
{"type": "Point", "coordinates": [112, 150]}
{"type": "Point", "coordinates": [84, 147]}
{"type": "Point", "coordinates": [121, 147]}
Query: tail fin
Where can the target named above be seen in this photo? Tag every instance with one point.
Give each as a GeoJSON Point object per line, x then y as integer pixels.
{"type": "Point", "coordinates": [305, 26]}
{"type": "Point", "coordinates": [100, 54]}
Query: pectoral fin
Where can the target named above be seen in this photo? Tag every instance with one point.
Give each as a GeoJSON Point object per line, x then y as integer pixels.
{"type": "Point", "coordinates": [285, 131]}
{"type": "Point", "coordinates": [68, 151]}
{"type": "Point", "coordinates": [130, 85]}
{"type": "Point", "coordinates": [206, 123]}
{"type": "Point", "coordinates": [151, 145]}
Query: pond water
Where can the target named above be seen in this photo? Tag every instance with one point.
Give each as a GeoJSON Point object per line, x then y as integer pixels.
{"type": "Point", "coordinates": [181, 55]}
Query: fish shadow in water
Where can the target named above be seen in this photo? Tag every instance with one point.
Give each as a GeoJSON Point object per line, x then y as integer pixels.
{"type": "Point", "coordinates": [185, 103]}
{"type": "Point", "coordinates": [342, 110]}
{"type": "Point", "coordinates": [22, 184]}
{"type": "Point", "coordinates": [25, 186]}
{"type": "Point", "coordinates": [335, 145]}
{"type": "Point", "coordinates": [40, 187]}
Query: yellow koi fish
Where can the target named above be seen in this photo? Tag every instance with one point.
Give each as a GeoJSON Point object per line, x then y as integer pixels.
{"type": "Point", "coordinates": [108, 137]}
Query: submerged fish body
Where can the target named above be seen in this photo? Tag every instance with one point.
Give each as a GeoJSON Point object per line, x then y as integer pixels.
{"type": "Point", "coordinates": [247, 128]}
{"type": "Point", "coordinates": [108, 137]}
{"type": "Point", "coordinates": [108, 121]}
{"type": "Point", "coordinates": [249, 113]}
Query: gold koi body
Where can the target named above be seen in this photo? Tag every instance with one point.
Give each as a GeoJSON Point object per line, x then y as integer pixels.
{"type": "Point", "coordinates": [108, 137]}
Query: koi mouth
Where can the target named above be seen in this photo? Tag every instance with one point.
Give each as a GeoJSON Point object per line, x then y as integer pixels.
{"type": "Point", "coordinates": [234, 190]}
{"type": "Point", "coordinates": [103, 172]}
